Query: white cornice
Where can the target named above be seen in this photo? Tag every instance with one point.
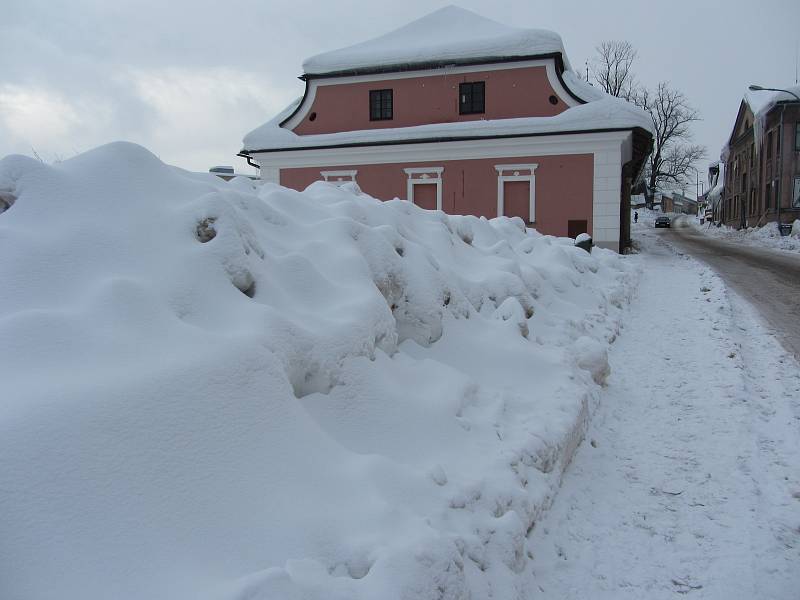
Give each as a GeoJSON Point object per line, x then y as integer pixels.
{"type": "Point", "coordinates": [423, 170]}
{"type": "Point", "coordinates": [515, 167]}
{"type": "Point", "coordinates": [546, 145]}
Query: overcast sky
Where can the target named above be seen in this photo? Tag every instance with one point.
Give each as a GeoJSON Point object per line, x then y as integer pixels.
{"type": "Point", "coordinates": [189, 79]}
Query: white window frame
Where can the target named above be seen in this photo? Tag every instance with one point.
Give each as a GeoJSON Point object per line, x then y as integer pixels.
{"type": "Point", "coordinates": [338, 178]}
{"type": "Point", "coordinates": [796, 193]}
{"type": "Point", "coordinates": [516, 174]}
{"type": "Point", "coordinates": [426, 176]}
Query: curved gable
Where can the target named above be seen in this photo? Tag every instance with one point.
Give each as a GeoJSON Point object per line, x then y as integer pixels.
{"type": "Point", "coordinates": [531, 88]}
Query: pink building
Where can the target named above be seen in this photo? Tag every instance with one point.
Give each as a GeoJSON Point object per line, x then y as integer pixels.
{"type": "Point", "coordinates": [459, 113]}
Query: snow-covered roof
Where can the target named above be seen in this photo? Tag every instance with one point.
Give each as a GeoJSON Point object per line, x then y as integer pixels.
{"type": "Point", "coordinates": [453, 34]}
{"type": "Point", "coordinates": [761, 102]}
{"type": "Point", "coordinates": [450, 34]}
{"type": "Point", "coordinates": [606, 113]}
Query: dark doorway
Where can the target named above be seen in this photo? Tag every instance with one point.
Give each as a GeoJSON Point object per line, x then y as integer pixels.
{"type": "Point", "coordinates": [575, 228]}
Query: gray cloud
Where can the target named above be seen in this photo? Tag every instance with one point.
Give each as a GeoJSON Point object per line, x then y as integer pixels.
{"type": "Point", "coordinates": [188, 79]}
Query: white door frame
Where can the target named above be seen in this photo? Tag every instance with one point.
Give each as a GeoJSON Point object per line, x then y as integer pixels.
{"type": "Point", "coordinates": [425, 175]}
{"type": "Point", "coordinates": [516, 173]}
{"type": "Point", "coordinates": [339, 177]}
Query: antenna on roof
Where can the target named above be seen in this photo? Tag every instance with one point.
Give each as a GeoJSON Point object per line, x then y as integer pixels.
{"type": "Point", "coordinates": [587, 71]}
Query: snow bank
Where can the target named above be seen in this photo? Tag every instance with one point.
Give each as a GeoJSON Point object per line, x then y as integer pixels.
{"type": "Point", "coordinates": [767, 236]}
{"type": "Point", "coordinates": [448, 34]}
{"type": "Point", "coordinates": [224, 390]}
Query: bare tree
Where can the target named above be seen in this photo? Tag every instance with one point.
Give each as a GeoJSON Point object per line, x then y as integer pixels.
{"type": "Point", "coordinates": [613, 68]}
{"type": "Point", "coordinates": [673, 156]}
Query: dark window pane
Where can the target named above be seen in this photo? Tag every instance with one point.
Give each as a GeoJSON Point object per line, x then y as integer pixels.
{"type": "Point", "coordinates": [471, 98]}
{"type": "Point", "coordinates": [380, 105]}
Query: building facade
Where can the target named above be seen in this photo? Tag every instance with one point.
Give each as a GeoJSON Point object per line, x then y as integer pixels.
{"type": "Point", "coordinates": [458, 113]}
{"type": "Point", "coordinates": [762, 163]}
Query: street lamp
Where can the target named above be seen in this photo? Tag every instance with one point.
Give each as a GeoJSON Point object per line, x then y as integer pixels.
{"type": "Point", "coordinates": [758, 88]}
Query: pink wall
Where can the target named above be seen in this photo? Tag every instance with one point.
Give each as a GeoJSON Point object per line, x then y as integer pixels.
{"type": "Point", "coordinates": [516, 199]}
{"type": "Point", "coordinates": [425, 195]}
{"type": "Point", "coordinates": [563, 186]}
{"type": "Point", "coordinates": [510, 93]}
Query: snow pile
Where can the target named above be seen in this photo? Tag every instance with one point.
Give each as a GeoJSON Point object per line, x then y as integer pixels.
{"type": "Point", "coordinates": [224, 390]}
{"type": "Point", "coordinates": [767, 236]}
{"type": "Point", "coordinates": [450, 34]}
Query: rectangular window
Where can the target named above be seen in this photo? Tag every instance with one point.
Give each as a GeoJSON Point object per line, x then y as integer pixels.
{"type": "Point", "coordinates": [471, 98]}
{"type": "Point", "coordinates": [380, 105]}
{"type": "Point", "coordinates": [796, 194]}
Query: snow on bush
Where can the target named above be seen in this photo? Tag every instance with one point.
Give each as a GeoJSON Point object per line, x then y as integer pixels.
{"type": "Point", "coordinates": [231, 390]}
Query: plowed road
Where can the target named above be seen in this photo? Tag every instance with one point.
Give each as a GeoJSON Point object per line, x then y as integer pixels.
{"type": "Point", "coordinates": [769, 279]}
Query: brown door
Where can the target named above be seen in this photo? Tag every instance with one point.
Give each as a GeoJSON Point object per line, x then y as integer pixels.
{"type": "Point", "coordinates": [517, 199]}
{"type": "Point", "coordinates": [425, 195]}
{"type": "Point", "coordinates": [575, 228]}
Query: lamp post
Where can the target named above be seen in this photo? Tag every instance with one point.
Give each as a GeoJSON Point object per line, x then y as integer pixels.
{"type": "Point", "coordinates": [758, 88]}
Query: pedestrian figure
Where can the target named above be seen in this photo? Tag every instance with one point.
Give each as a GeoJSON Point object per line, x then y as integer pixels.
{"type": "Point", "coordinates": [636, 216]}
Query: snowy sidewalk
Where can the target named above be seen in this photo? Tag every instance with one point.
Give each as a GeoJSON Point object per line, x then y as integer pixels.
{"type": "Point", "coordinates": [689, 479]}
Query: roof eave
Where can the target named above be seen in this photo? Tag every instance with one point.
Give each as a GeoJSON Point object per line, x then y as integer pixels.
{"type": "Point", "coordinates": [432, 64]}
{"type": "Point", "coordinates": [636, 129]}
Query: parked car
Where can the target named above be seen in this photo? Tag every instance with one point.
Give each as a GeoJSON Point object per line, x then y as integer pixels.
{"type": "Point", "coordinates": [663, 222]}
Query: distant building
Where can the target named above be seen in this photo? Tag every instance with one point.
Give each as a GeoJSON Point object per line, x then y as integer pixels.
{"type": "Point", "coordinates": [459, 113]}
{"type": "Point", "coordinates": [762, 161]}
{"type": "Point", "coordinates": [638, 201]}
{"type": "Point", "coordinates": [711, 200]}
{"type": "Point", "coordinates": [675, 202]}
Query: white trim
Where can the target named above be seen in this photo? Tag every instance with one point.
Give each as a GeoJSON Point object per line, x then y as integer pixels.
{"type": "Point", "coordinates": [339, 177]}
{"type": "Point", "coordinates": [423, 170]}
{"type": "Point", "coordinates": [501, 168]}
{"type": "Point", "coordinates": [270, 174]}
{"type": "Point", "coordinates": [426, 179]}
{"type": "Point", "coordinates": [531, 179]}
{"type": "Point", "coordinates": [544, 145]}
{"type": "Point", "coordinates": [314, 83]}
{"type": "Point", "coordinates": [607, 195]}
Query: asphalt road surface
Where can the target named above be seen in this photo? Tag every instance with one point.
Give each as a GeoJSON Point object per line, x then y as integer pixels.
{"type": "Point", "coordinates": [769, 279]}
